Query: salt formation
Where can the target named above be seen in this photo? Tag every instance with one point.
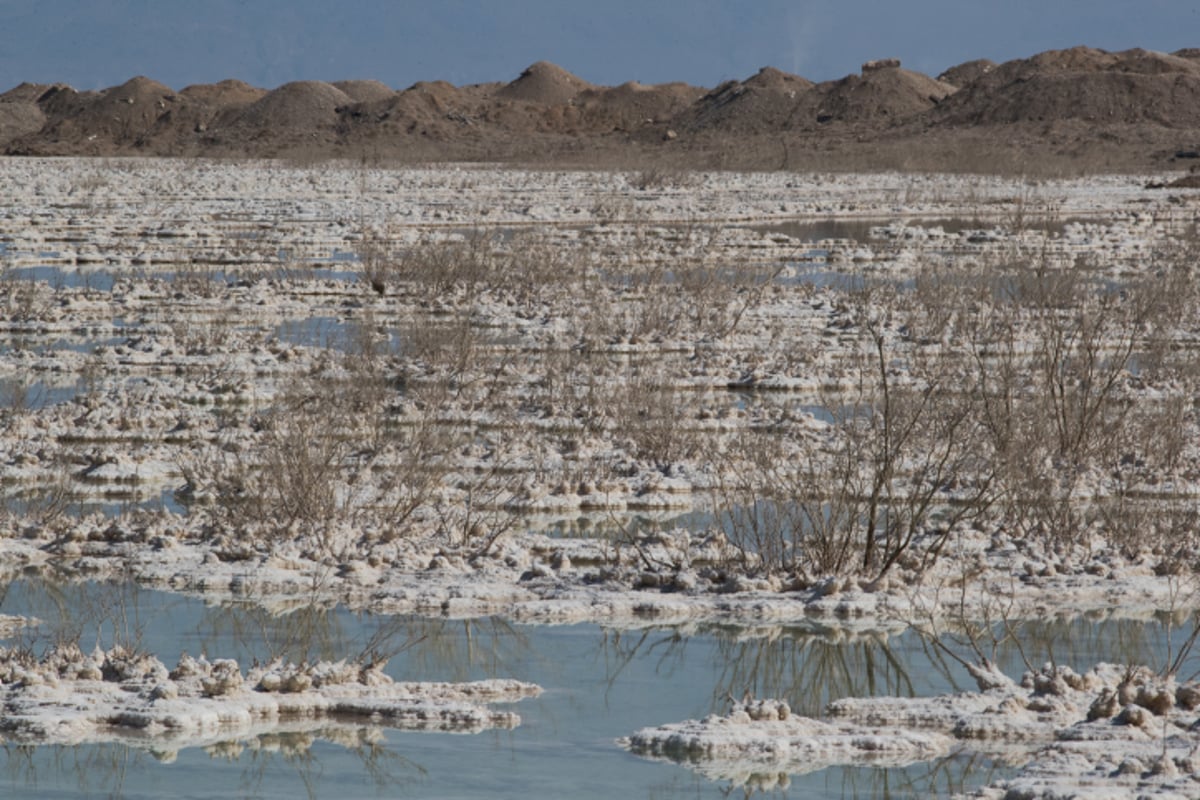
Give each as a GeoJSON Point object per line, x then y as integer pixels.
{"type": "Point", "coordinates": [69, 697]}
{"type": "Point", "coordinates": [1114, 731]}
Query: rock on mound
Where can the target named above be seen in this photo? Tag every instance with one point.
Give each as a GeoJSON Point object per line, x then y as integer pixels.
{"type": "Point", "coordinates": [765, 102]}
{"type": "Point", "coordinates": [967, 73]}
{"type": "Point", "coordinates": [300, 105]}
{"type": "Point", "coordinates": [546, 84]}
{"type": "Point", "coordinates": [883, 93]}
{"type": "Point", "coordinates": [365, 91]}
{"type": "Point", "coordinates": [1084, 84]}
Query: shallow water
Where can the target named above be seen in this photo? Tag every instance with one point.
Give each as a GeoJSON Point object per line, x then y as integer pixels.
{"type": "Point", "coordinates": [103, 279]}
{"type": "Point", "coordinates": [860, 230]}
{"type": "Point", "coordinates": [67, 278]}
{"type": "Point", "coordinates": [21, 394]}
{"type": "Point", "coordinates": [600, 684]}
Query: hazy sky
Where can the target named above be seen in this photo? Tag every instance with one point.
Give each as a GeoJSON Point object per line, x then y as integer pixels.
{"type": "Point", "coordinates": [96, 43]}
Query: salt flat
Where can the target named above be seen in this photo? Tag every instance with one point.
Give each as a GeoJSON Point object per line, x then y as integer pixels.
{"type": "Point", "coordinates": [880, 400]}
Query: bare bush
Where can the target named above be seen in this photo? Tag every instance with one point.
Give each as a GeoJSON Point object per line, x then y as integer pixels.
{"type": "Point", "coordinates": [647, 411]}
{"type": "Point", "coordinates": [24, 300]}
{"type": "Point", "coordinates": [660, 178]}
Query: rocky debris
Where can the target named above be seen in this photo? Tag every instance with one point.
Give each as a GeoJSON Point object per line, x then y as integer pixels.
{"type": "Point", "coordinates": [880, 64]}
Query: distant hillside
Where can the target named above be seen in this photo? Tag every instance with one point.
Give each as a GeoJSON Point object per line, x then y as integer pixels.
{"type": "Point", "coordinates": [1078, 109]}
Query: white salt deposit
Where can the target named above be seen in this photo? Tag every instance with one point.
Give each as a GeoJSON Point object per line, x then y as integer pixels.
{"type": "Point", "coordinates": [67, 697]}
{"type": "Point", "coordinates": [241, 287]}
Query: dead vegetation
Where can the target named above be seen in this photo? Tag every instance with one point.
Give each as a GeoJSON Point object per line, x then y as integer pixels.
{"type": "Point", "coordinates": [1005, 392]}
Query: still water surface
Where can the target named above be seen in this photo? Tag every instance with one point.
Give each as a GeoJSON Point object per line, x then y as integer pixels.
{"type": "Point", "coordinates": [599, 684]}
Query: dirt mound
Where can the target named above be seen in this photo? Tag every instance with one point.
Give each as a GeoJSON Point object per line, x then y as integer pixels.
{"type": "Point", "coordinates": [441, 94]}
{"type": "Point", "coordinates": [967, 73]}
{"type": "Point", "coordinates": [1077, 109]}
{"type": "Point", "coordinates": [200, 111]}
{"type": "Point", "coordinates": [883, 94]}
{"type": "Point", "coordinates": [1094, 86]}
{"type": "Point", "coordinates": [25, 93]}
{"type": "Point", "coordinates": [769, 78]}
{"type": "Point", "coordinates": [300, 105]}
{"type": "Point", "coordinates": [20, 114]}
{"type": "Point", "coordinates": [365, 91]}
{"type": "Point", "coordinates": [766, 102]}
{"type": "Point", "coordinates": [546, 84]}
{"type": "Point", "coordinates": [228, 94]}
{"type": "Point", "coordinates": [427, 109]}
{"type": "Point", "coordinates": [95, 122]}
{"type": "Point", "coordinates": [633, 104]}
{"type": "Point", "coordinates": [19, 118]}
{"type": "Point", "coordinates": [1090, 59]}
{"type": "Point", "coordinates": [60, 101]}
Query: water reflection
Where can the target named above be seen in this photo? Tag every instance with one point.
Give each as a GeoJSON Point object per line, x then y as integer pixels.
{"type": "Point", "coordinates": [283, 764]}
{"type": "Point", "coordinates": [61, 278]}
{"type": "Point", "coordinates": [601, 683]}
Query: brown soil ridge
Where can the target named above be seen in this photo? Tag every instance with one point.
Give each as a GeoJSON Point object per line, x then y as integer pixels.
{"type": "Point", "coordinates": [1129, 87]}
{"type": "Point", "coordinates": [1080, 109]}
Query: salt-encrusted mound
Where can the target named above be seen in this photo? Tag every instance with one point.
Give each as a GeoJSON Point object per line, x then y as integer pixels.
{"type": "Point", "coordinates": [764, 733]}
{"type": "Point", "coordinates": [10, 624]}
{"type": "Point", "coordinates": [1118, 731]}
{"type": "Point", "coordinates": [68, 697]}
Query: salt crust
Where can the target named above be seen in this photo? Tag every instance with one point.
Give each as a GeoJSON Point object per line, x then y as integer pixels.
{"type": "Point", "coordinates": [535, 578]}
{"type": "Point", "coordinates": [1114, 732]}
{"type": "Point", "coordinates": [67, 697]}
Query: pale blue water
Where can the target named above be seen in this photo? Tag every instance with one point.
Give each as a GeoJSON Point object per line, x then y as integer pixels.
{"type": "Point", "coordinates": [600, 684]}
